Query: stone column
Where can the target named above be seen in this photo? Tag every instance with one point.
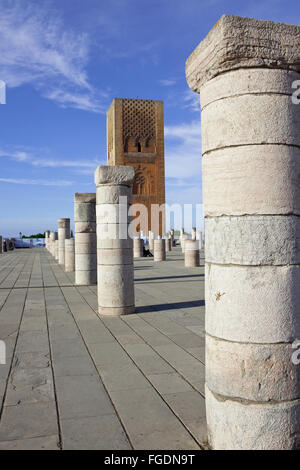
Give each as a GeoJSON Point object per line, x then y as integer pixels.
{"type": "Point", "coordinates": [199, 238]}
{"type": "Point", "coordinates": [85, 238]}
{"type": "Point", "coordinates": [47, 239]}
{"type": "Point", "coordinates": [168, 243]}
{"type": "Point", "coordinates": [69, 255]}
{"type": "Point", "coordinates": [159, 250]}
{"type": "Point", "coordinates": [52, 243]}
{"type": "Point", "coordinates": [56, 249]}
{"type": "Point", "coordinates": [63, 233]}
{"type": "Point", "coordinates": [184, 237]}
{"type": "Point", "coordinates": [151, 240]}
{"type": "Point", "coordinates": [114, 246]}
{"type": "Point", "coordinates": [181, 234]}
{"type": "Point", "coordinates": [244, 71]}
{"type": "Point", "coordinates": [138, 245]}
{"type": "Point", "coordinates": [193, 233]}
{"type": "Point", "coordinates": [172, 235]}
{"type": "Point", "coordinates": [1, 247]}
{"type": "Point", "coordinates": [191, 253]}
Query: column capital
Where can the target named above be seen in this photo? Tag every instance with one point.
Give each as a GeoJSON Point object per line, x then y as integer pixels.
{"type": "Point", "coordinates": [235, 42]}
{"type": "Point", "coordinates": [85, 197]}
{"type": "Point", "coordinates": [114, 175]}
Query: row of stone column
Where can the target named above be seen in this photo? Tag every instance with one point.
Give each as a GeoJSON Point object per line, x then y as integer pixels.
{"type": "Point", "coordinates": [107, 256]}
{"type": "Point", "coordinates": [10, 245]}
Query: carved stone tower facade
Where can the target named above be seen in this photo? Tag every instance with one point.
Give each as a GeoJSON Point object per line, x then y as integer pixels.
{"type": "Point", "coordinates": [135, 137]}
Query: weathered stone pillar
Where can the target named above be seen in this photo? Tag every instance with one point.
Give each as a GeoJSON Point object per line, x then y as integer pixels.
{"type": "Point", "coordinates": [244, 71]}
{"type": "Point", "coordinates": [172, 235]}
{"type": "Point", "coordinates": [184, 237]}
{"type": "Point", "coordinates": [52, 243]}
{"type": "Point", "coordinates": [199, 238]}
{"type": "Point", "coordinates": [151, 240]}
{"type": "Point", "coordinates": [69, 255]}
{"type": "Point", "coordinates": [168, 244]}
{"type": "Point", "coordinates": [191, 253]}
{"type": "Point", "coordinates": [10, 243]}
{"type": "Point", "coordinates": [47, 239]}
{"type": "Point", "coordinates": [85, 238]}
{"type": "Point", "coordinates": [159, 250]}
{"type": "Point", "coordinates": [193, 233]}
{"type": "Point", "coordinates": [56, 249]}
{"type": "Point", "coordinates": [63, 233]}
{"type": "Point", "coordinates": [138, 245]}
{"type": "Point", "coordinates": [181, 234]}
{"type": "Point", "coordinates": [114, 246]}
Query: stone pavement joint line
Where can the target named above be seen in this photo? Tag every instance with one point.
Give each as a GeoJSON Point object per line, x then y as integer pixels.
{"type": "Point", "coordinates": [74, 380]}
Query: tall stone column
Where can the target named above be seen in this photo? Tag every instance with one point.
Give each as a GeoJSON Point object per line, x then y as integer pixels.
{"type": "Point", "coordinates": [151, 240]}
{"type": "Point", "coordinates": [244, 71]}
{"type": "Point", "coordinates": [47, 235]}
{"type": "Point", "coordinates": [184, 237]}
{"type": "Point", "coordinates": [199, 238]}
{"type": "Point", "coordinates": [159, 250]}
{"type": "Point", "coordinates": [53, 237]}
{"type": "Point", "coordinates": [172, 235]}
{"type": "Point", "coordinates": [85, 238]}
{"type": "Point", "coordinates": [63, 233]}
{"type": "Point", "coordinates": [56, 249]}
{"type": "Point", "coordinates": [114, 246]}
{"type": "Point", "coordinates": [69, 255]}
{"type": "Point", "coordinates": [191, 253]}
{"type": "Point", "coordinates": [181, 234]}
{"type": "Point", "coordinates": [138, 245]}
{"type": "Point", "coordinates": [168, 243]}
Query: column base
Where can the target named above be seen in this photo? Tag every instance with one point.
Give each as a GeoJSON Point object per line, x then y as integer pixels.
{"type": "Point", "coordinates": [116, 311]}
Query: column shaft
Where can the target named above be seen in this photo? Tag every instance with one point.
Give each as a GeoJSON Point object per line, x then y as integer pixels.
{"type": "Point", "coordinates": [85, 238]}
{"type": "Point", "coordinates": [251, 196]}
{"type": "Point", "coordinates": [114, 247]}
{"type": "Point", "coordinates": [63, 233]}
{"type": "Point", "coordinates": [69, 255]}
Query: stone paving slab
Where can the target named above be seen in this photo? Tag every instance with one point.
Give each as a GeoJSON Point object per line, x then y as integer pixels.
{"type": "Point", "coordinates": [74, 380]}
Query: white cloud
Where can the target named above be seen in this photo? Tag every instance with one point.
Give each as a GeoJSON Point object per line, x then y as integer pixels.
{"type": "Point", "coordinates": [31, 159]}
{"type": "Point", "coordinates": [191, 100]}
{"type": "Point", "coordinates": [167, 82]}
{"type": "Point", "coordinates": [37, 182]}
{"type": "Point", "coordinates": [36, 48]}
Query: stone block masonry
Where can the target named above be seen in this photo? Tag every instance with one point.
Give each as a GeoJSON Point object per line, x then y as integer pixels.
{"type": "Point", "coordinates": [244, 70]}
{"type": "Point", "coordinates": [85, 238]}
{"type": "Point", "coordinates": [114, 247]}
{"type": "Point", "coordinates": [63, 233]}
{"type": "Point", "coordinates": [69, 255]}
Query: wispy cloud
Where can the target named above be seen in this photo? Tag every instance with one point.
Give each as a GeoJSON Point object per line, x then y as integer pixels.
{"type": "Point", "coordinates": [37, 48]}
{"type": "Point", "coordinates": [191, 100]}
{"type": "Point", "coordinates": [32, 159]}
{"type": "Point", "coordinates": [167, 82]}
{"type": "Point", "coordinates": [37, 182]}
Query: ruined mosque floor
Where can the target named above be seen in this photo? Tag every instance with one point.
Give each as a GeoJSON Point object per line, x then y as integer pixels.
{"type": "Point", "coordinates": [73, 380]}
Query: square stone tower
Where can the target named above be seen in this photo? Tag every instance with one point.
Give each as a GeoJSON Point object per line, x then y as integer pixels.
{"type": "Point", "coordinates": [135, 137]}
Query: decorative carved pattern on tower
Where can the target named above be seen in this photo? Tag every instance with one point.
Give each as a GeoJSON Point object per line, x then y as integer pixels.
{"type": "Point", "coordinates": [138, 120]}
{"type": "Point", "coordinates": [110, 137]}
{"type": "Point", "coordinates": [143, 181]}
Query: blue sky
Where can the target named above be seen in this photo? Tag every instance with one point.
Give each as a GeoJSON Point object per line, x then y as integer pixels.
{"type": "Point", "coordinates": [65, 60]}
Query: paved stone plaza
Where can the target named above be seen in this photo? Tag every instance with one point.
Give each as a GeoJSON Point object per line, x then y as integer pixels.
{"type": "Point", "coordinates": [77, 381]}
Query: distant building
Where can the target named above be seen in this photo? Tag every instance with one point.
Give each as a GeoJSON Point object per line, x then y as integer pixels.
{"type": "Point", "coordinates": [135, 137]}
